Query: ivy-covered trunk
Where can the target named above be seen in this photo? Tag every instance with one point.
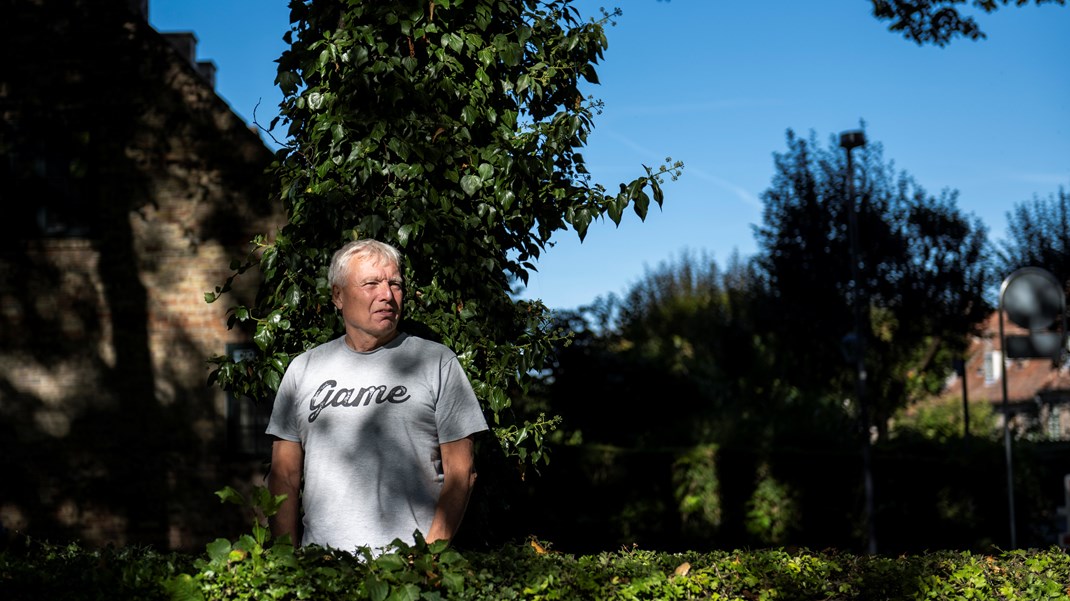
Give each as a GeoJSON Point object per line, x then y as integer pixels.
{"type": "Point", "coordinates": [450, 129]}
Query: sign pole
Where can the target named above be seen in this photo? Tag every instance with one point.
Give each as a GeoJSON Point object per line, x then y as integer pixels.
{"type": "Point", "coordinates": [1033, 299]}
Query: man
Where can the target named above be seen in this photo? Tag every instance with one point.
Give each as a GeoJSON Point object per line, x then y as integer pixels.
{"type": "Point", "coordinates": [378, 424]}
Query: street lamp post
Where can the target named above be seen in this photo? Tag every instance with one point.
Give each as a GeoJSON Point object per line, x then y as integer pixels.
{"type": "Point", "coordinates": [850, 140]}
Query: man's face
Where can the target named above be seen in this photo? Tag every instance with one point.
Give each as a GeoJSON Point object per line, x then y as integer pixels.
{"type": "Point", "coordinates": [370, 302]}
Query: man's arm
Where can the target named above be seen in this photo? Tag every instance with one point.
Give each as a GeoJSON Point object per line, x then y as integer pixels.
{"type": "Point", "coordinates": [459, 471]}
{"type": "Point", "coordinates": [287, 463]}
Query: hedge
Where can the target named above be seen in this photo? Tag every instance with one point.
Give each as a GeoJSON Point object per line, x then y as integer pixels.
{"type": "Point", "coordinates": [248, 569]}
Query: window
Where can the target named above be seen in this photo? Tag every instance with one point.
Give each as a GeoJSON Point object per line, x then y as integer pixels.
{"type": "Point", "coordinates": [247, 420]}
{"type": "Point", "coordinates": [1055, 429]}
{"type": "Point", "coordinates": [50, 183]}
{"type": "Point", "coordinates": [993, 367]}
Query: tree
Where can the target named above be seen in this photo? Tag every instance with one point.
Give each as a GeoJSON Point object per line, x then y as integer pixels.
{"type": "Point", "coordinates": [924, 274]}
{"type": "Point", "coordinates": [670, 360]}
{"type": "Point", "coordinates": [1038, 235]}
{"type": "Point", "coordinates": [452, 129]}
{"type": "Point", "coordinates": [692, 320]}
{"type": "Point", "coordinates": [674, 376]}
{"type": "Point", "coordinates": [678, 360]}
{"type": "Point", "coordinates": [939, 21]}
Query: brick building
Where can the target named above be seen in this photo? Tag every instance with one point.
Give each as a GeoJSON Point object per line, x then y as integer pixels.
{"type": "Point", "coordinates": [128, 188]}
{"type": "Point", "coordinates": [1038, 392]}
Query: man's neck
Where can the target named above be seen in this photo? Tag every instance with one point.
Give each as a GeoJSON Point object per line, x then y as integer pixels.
{"type": "Point", "coordinates": [366, 344]}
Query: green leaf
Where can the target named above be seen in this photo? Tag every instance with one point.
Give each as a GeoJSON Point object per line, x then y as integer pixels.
{"type": "Point", "coordinates": [467, 312]}
{"type": "Point", "coordinates": [230, 495]}
{"type": "Point", "coordinates": [391, 562]}
{"type": "Point", "coordinates": [581, 220]}
{"type": "Point", "coordinates": [292, 296]}
{"type": "Point", "coordinates": [279, 362]}
{"type": "Point", "coordinates": [590, 74]}
{"type": "Point", "coordinates": [659, 196]}
{"type": "Point", "coordinates": [471, 184]}
{"type": "Point", "coordinates": [372, 225]}
{"type": "Point", "coordinates": [507, 199]}
{"type": "Point", "coordinates": [264, 336]}
{"type": "Point", "coordinates": [469, 115]}
{"type": "Point", "coordinates": [453, 41]}
{"type": "Point", "coordinates": [510, 54]}
{"type": "Point", "coordinates": [184, 588]}
{"type": "Point", "coordinates": [405, 592]}
{"type": "Point", "coordinates": [641, 203]}
{"type": "Point", "coordinates": [377, 589]}
{"type": "Point", "coordinates": [272, 379]}
{"type": "Point", "coordinates": [403, 234]}
{"type": "Point", "coordinates": [616, 209]}
{"type": "Point", "coordinates": [288, 81]}
{"type": "Point", "coordinates": [267, 262]}
{"type": "Point", "coordinates": [219, 550]}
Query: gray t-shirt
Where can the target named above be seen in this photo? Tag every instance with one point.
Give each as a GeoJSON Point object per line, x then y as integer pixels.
{"type": "Point", "coordinates": [371, 424]}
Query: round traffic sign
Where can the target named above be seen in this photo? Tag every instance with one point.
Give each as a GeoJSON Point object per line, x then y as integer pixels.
{"type": "Point", "coordinates": [1032, 298]}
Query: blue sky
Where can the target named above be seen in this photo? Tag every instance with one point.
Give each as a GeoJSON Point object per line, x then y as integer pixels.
{"type": "Point", "coordinates": [717, 83]}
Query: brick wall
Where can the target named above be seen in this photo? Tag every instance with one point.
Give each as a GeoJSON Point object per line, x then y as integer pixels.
{"type": "Point", "coordinates": [131, 186]}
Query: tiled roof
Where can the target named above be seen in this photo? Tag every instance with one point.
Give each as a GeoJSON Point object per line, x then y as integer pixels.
{"type": "Point", "coordinates": [1026, 378]}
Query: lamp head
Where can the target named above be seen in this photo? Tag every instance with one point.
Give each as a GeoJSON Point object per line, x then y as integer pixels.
{"type": "Point", "coordinates": [852, 139]}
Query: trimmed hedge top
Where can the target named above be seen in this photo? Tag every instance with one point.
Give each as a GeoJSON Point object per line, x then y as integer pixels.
{"type": "Point", "coordinates": [246, 569]}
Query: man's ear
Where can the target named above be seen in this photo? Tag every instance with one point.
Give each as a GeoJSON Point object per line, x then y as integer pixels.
{"type": "Point", "coordinates": [335, 290]}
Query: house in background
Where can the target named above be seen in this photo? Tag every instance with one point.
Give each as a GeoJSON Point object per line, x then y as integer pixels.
{"type": "Point", "coordinates": [1038, 392]}
{"type": "Point", "coordinates": [128, 187]}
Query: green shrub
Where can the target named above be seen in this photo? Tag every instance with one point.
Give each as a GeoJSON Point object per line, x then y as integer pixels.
{"type": "Point", "coordinates": [38, 571]}
{"type": "Point", "coordinates": [256, 566]}
{"type": "Point", "coordinates": [245, 570]}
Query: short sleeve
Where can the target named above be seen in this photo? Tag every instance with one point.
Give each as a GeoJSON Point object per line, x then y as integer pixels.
{"type": "Point", "coordinates": [283, 421]}
{"type": "Point", "coordinates": [458, 413]}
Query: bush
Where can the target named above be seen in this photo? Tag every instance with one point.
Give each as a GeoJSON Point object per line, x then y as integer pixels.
{"type": "Point", "coordinates": [247, 570]}
{"type": "Point", "coordinates": [35, 571]}
{"type": "Point", "coordinates": [256, 566]}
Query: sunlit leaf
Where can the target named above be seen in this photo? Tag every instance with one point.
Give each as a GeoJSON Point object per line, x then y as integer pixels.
{"type": "Point", "coordinates": [471, 184]}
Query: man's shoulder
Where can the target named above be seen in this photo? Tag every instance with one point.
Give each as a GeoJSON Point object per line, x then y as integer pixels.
{"type": "Point", "coordinates": [416, 343]}
{"type": "Point", "coordinates": [320, 350]}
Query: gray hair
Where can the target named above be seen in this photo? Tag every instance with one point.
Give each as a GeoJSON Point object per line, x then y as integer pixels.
{"type": "Point", "coordinates": [339, 269]}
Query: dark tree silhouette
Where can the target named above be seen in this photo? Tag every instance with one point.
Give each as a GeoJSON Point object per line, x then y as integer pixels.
{"type": "Point", "coordinates": [939, 21]}
{"type": "Point", "coordinates": [923, 275]}
{"type": "Point", "coordinates": [1038, 235]}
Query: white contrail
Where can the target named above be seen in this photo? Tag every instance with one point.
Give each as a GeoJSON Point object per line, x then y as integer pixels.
{"type": "Point", "coordinates": [647, 154]}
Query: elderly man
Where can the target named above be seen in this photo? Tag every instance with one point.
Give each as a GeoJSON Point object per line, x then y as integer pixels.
{"type": "Point", "coordinates": [377, 425]}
